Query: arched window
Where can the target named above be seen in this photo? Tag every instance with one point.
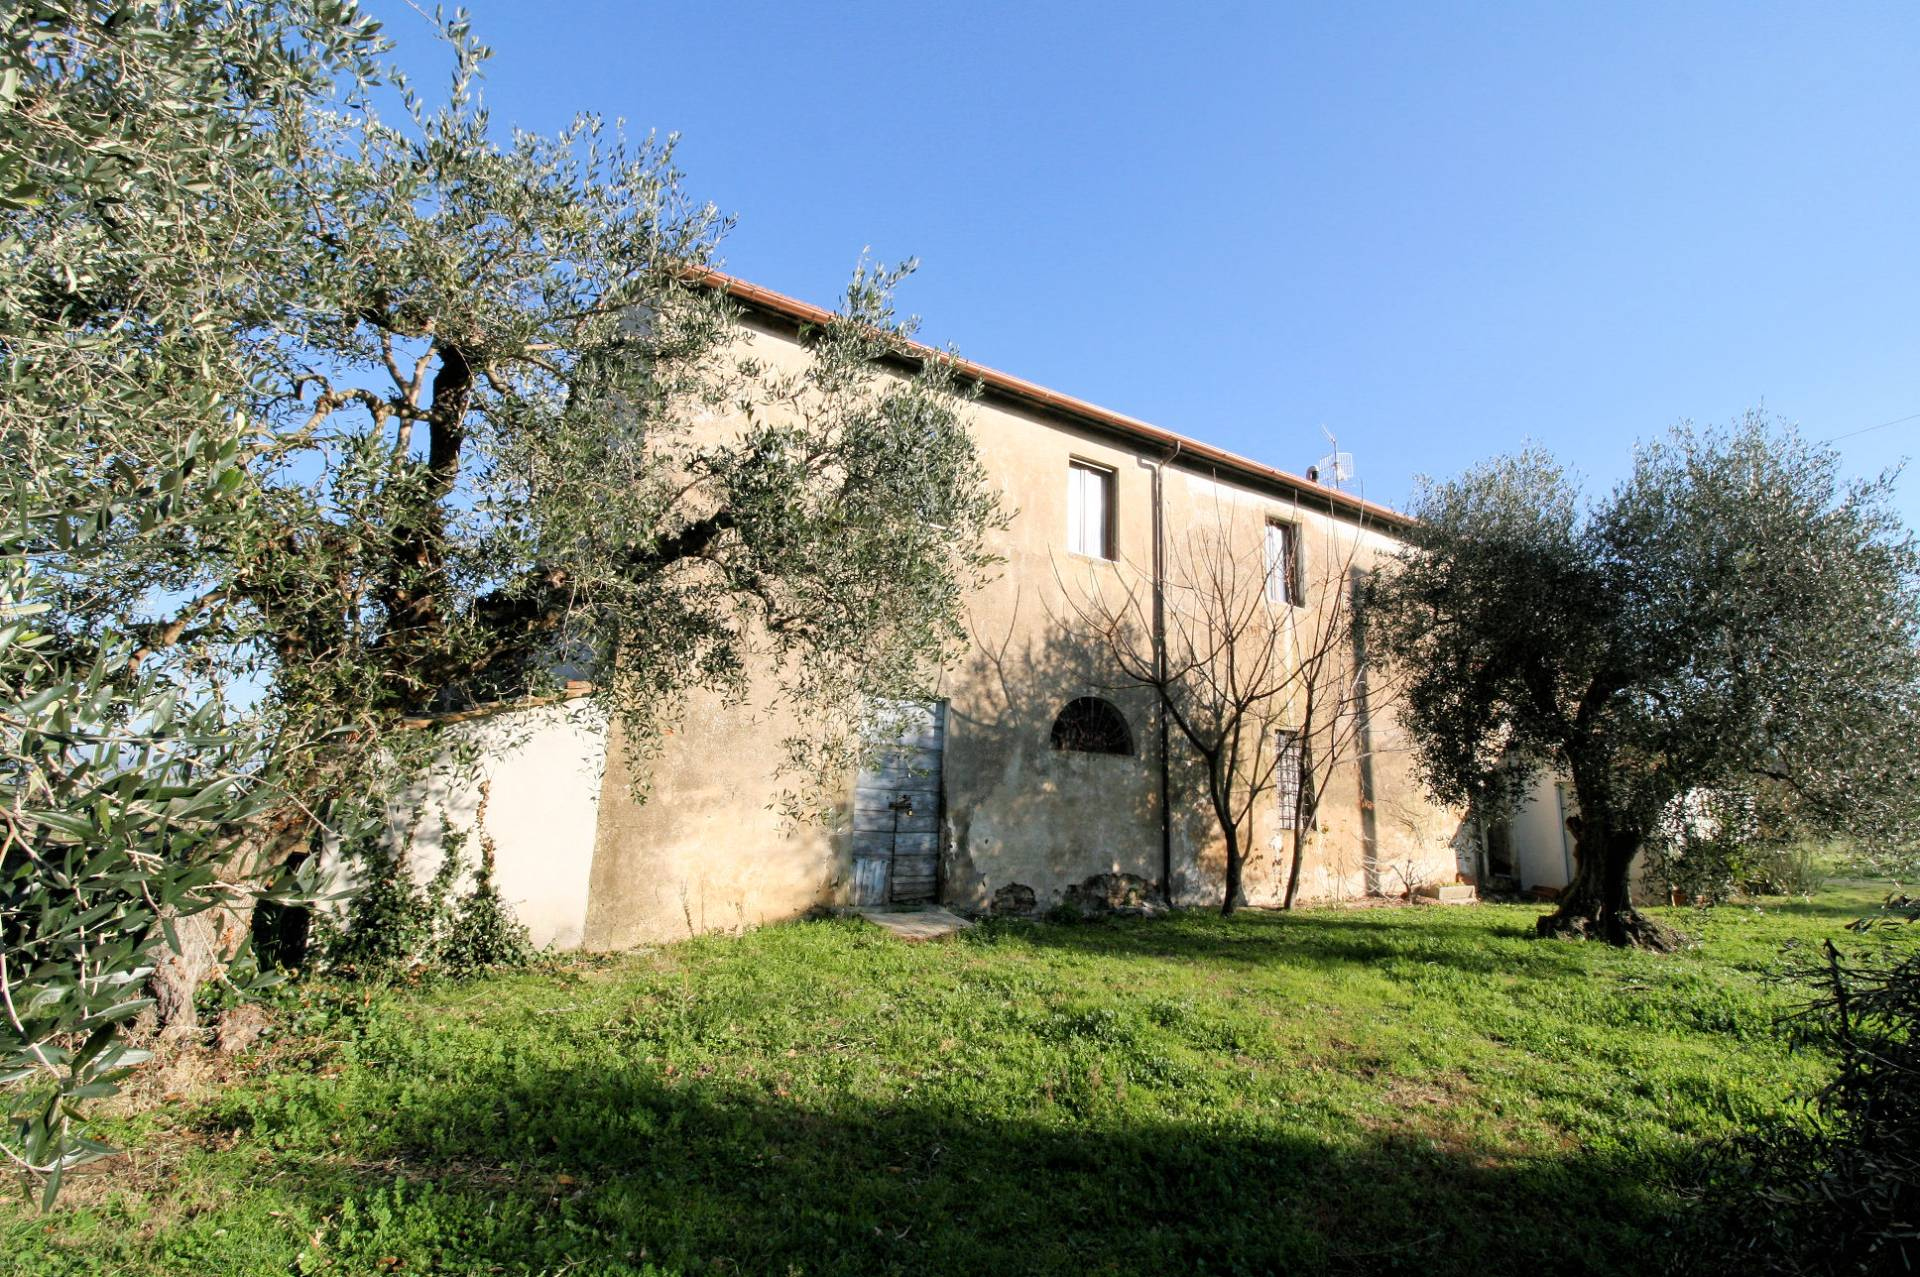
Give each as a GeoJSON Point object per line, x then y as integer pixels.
{"type": "Point", "coordinates": [1092, 726]}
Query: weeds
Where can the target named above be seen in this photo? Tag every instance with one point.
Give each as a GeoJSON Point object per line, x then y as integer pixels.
{"type": "Point", "coordinates": [395, 927]}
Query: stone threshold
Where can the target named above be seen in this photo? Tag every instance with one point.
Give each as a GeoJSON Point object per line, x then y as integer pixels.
{"type": "Point", "coordinates": [915, 923]}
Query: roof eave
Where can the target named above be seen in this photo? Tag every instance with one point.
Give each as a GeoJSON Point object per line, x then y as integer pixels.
{"type": "Point", "coordinates": [1176, 449]}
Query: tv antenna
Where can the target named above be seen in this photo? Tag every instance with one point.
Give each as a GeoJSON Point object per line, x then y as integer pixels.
{"type": "Point", "coordinates": [1336, 467]}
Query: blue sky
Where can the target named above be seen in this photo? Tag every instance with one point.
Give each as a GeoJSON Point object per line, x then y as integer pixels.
{"type": "Point", "coordinates": [1435, 230]}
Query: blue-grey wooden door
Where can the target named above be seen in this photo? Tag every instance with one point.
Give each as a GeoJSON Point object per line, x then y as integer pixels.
{"type": "Point", "coordinates": [896, 813]}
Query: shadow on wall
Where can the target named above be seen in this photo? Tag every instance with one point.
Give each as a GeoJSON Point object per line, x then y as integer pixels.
{"type": "Point", "coordinates": [691, 838]}
{"type": "Point", "coordinates": [1410, 833]}
{"type": "Point", "coordinates": [1022, 812]}
{"type": "Point", "coordinates": [539, 1170]}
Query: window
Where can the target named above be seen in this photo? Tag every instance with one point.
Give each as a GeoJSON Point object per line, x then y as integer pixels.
{"type": "Point", "coordinates": [1092, 726]}
{"type": "Point", "coordinates": [1283, 563]}
{"type": "Point", "coordinates": [1089, 510]}
{"type": "Point", "coordinates": [1293, 776]}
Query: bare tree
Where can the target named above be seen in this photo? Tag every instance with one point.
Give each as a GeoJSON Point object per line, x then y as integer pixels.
{"type": "Point", "coordinates": [1333, 683]}
{"type": "Point", "coordinates": [1251, 642]}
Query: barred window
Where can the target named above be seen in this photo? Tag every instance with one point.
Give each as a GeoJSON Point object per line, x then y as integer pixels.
{"type": "Point", "coordinates": [1293, 777]}
{"type": "Point", "coordinates": [1090, 725]}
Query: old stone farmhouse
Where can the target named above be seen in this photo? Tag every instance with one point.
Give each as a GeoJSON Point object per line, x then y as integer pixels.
{"type": "Point", "coordinates": [1025, 774]}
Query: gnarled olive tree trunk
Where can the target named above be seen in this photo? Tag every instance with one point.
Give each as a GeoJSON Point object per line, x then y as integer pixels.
{"type": "Point", "coordinates": [205, 943]}
{"type": "Point", "coordinates": [1598, 903]}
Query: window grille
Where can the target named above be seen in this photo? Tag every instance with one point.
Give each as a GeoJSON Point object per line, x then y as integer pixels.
{"type": "Point", "coordinates": [1292, 776]}
{"type": "Point", "coordinates": [1090, 725]}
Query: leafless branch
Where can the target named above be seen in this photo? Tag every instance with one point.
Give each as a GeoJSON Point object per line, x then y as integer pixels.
{"type": "Point", "coordinates": [1235, 666]}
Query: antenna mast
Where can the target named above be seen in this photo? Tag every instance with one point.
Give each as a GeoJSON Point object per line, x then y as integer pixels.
{"type": "Point", "coordinates": [1336, 467]}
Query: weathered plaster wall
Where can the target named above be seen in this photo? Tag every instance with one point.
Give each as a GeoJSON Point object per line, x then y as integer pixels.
{"type": "Point", "coordinates": [1019, 810]}
{"type": "Point", "coordinates": [1383, 836]}
{"type": "Point", "coordinates": [703, 847]}
{"type": "Point", "coordinates": [691, 838]}
{"type": "Point", "coordinates": [1022, 812]}
{"type": "Point", "coordinates": [706, 851]}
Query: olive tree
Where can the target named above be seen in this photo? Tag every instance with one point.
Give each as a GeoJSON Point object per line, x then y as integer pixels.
{"type": "Point", "coordinates": [120, 798]}
{"type": "Point", "coordinates": [482, 382]}
{"type": "Point", "coordinates": [1733, 619]}
{"type": "Point", "coordinates": [122, 784]}
{"type": "Point", "coordinates": [481, 420]}
{"type": "Point", "coordinates": [503, 428]}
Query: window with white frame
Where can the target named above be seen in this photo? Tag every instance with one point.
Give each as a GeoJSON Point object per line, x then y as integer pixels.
{"type": "Point", "coordinates": [1293, 779]}
{"type": "Point", "coordinates": [1089, 510]}
{"type": "Point", "coordinates": [1283, 563]}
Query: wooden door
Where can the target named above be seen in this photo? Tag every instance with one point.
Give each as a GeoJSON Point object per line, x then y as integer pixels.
{"type": "Point", "coordinates": [896, 814]}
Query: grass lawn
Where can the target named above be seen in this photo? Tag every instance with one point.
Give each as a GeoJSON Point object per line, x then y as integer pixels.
{"type": "Point", "coordinates": [1356, 1090]}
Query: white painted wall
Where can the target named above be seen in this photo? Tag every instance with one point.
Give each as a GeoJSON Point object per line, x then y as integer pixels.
{"type": "Point", "coordinates": [545, 767]}
{"type": "Point", "coordinates": [1542, 851]}
{"type": "Point", "coordinates": [543, 811]}
{"type": "Point", "coordinates": [1542, 845]}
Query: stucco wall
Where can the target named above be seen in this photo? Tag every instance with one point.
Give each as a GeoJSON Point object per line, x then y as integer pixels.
{"type": "Point", "coordinates": [691, 840]}
{"type": "Point", "coordinates": [1019, 810]}
{"type": "Point", "coordinates": [705, 850]}
{"type": "Point", "coordinates": [1376, 830]}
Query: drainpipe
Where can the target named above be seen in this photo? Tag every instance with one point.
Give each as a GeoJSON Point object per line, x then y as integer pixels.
{"type": "Point", "coordinates": [1160, 668]}
{"type": "Point", "coordinates": [1363, 739]}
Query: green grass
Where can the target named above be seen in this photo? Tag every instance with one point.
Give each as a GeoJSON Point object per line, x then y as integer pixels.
{"type": "Point", "coordinates": [1368, 1090]}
